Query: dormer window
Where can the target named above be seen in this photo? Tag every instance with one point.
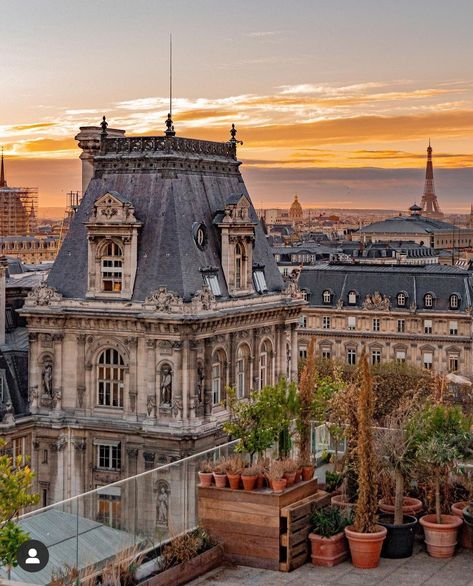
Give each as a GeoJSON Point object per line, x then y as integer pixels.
{"type": "Point", "coordinates": [428, 300]}
{"type": "Point", "coordinates": [112, 235]}
{"type": "Point", "coordinates": [211, 280]}
{"type": "Point", "coordinates": [327, 297]}
{"type": "Point", "coordinates": [352, 298]}
{"type": "Point", "coordinates": [259, 281]}
{"type": "Point", "coordinates": [454, 301]}
{"type": "Point", "coordinates": [401, 299]}
{"type": "Point", "coordinates": [111, 263]}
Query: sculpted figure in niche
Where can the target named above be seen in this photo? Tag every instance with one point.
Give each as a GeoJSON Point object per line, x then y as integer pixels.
{"type": "Point", "coordinates": [200, 383]}
{"type": "Point", "coordinates": [163, 506]}
{"type": "Point", "coordinates": [151, 405]}
{"type": "Point", "coordinates": [166, 385]}
{"type": "Point", "coordinates": [47, 379]}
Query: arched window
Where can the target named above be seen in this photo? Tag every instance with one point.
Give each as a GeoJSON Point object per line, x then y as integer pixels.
{"type": "Point", "coordinates": [218, 376]}
{"type": "Point", "coordinates": [265, 365]}
{"type": "Point", "coordinates": [428, 300]}
{"type": "Point", "coordinates": [401, 299]}
{"type": "Point", "coordinates": [242, 371]}
{"type": "Point", "coordinates": [352, 298]}
{"type": "Point", "coordinates": [327, 296]}
{"type": "Point", "coordinates": [110, 378]}
{"type": "Point", "coordinates": [111, 266]}
{"type": "Point", "coordinates": [454, 301]}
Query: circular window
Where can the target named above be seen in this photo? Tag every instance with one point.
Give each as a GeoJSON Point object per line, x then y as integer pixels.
{"type": "Point", "coordinates": [199, 231]}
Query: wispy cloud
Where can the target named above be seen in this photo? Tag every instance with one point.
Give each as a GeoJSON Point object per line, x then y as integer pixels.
{"type": "Point", "coordinates": [262, 34]}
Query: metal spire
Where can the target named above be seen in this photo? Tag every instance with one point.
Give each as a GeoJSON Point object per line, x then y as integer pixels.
{"type": "Point", "coordinates": [3, 183]}
{"type": "Point", "coordinates": [429, 203]}
{"type": "Point", "coordinates": [169, 123]}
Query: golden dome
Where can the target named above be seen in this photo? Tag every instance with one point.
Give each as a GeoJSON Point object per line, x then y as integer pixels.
{"type": "Point", "coordinates": [295, 211]}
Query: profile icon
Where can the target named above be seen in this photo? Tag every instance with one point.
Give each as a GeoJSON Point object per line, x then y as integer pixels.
{"type": "Point", "coordinates": [32, 556]}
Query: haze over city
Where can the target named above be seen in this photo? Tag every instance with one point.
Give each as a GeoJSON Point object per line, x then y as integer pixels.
{"type": "Point", "coordinates": [330, 100]}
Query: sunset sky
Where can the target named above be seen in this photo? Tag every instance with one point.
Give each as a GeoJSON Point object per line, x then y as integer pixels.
{"type": "Point", "coordinates": [334, 100]}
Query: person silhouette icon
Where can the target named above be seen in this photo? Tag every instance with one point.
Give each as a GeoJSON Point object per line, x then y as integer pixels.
{"type": "Point", "coordinates": [32, 557]}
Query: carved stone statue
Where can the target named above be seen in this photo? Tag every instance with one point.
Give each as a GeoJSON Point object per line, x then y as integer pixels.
{"type": "Point", "coordinates": [166, 385]}
{"type": "Point", "coordinates": [377, 301]}
{"type": "Point", "coordinates": [47, 379]}
{"type": "Point", "coordinates": [151, 405]}
{"type": "Point", "coordinates": [163, 506]}
{"type": "Point", "coordinates": [200, 384]}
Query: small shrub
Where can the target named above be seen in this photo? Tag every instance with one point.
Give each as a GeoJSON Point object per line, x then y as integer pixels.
{"type": "Point", "coordinates": [329, 521]}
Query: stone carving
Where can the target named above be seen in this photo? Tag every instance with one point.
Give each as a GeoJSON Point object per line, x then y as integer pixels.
{"type": "Point", "coordinates": [32, 394]}
{"type": "Point", "coordinates": [132, 397]}
{"type": "Point", "coordinates": [292, 290]}
{"type": "Point", "coordinates": [165, 385]}
{"type": "Point", "coordinates": [200, 383]}
{"type": "Point", "coordinates": [176, 406]}
{"type": "Point", "coordinates": [132, 452]}
{"type": "Point", "coordinates": [376, 301]}
{"type": "Point", "coordinates": [151, 406]}
{"type": "Point", "coordinates": [109, 212]}
{"type": "Point", "coordinates": [8, 416]}
{"type": "Point", "coordinates": [203, 300]}
{"type": "Point", "coordinates": [340, 303]}
{"type": "Point", "coordinates": [80, 397]}
{"type": "Point", "coordinates": [42, 295]}
{"type": "Point", "coordinates": [47, 378]}
{"type": "Point", "coordinates": [163, 503]}
{"type": "Point", "coordinates": [165, 301]}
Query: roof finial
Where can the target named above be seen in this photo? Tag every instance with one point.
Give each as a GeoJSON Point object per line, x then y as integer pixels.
{"type": "Point", "coordinates": [3, 183]}
{"type": "Point", "coordinates": [233, 132]}
{"type": "Point", "coordinates": [169, 126]}
{"type": "Point", "coordinates": [104, 125]}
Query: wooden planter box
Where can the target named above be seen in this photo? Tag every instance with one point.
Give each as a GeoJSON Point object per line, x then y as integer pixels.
{"type": "Point", "coordinates": [188, 571]}
{"type": "Point", "coordinates": [260, 528]}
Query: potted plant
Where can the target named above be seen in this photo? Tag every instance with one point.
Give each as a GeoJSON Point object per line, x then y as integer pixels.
{"type": "Point", "coordinates": [290, 471]}
{"type": "Point", "coordinates": [440, 432]}
{"type": "Point", "coordinates": [275, 476]}
{"type": "Point", "coordinates": [220, 474]}
{"type": "Point", "coordinates": [328, 541]}
{"type": "Point", "coordinates": [468, 518]}
{"type": "Point", "coordinates": [365, 536]}
{"type": "Point", "coordinates": [206, 473]}
{"type": "Point", "coordinates": [249, 477]}
{"type": "Point", "coordinates": [396, 453]}
{"type": "Point", "coordinates": [233, 467]}
{"type": "Point", "coordinates": [333, 480]}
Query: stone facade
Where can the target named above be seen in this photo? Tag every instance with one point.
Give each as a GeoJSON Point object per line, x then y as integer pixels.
{"type": "Point", "coordinates": [164, 292]}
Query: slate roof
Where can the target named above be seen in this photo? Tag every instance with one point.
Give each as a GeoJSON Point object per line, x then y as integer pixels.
{"type": "Point", "coordinates": [407, 225]}
{"type": "Point", "coordinates": [168, 203]}
{"type": "Point", "coordinates": [415, 281]}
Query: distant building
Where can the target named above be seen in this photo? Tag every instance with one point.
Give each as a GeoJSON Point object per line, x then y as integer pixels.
{"type": "Point", "coordinates": [295, 212]}
{"type": "Point", "coordinates": [18, 207]}
{"type": "Point", "coordinates": [416, 314]}
{"type": "Point", "coordinates": [426, 231]}
{"type": "Point", "coordinates": [30, 249]}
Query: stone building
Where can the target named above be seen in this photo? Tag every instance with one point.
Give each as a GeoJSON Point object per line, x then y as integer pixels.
{"type": "Point", "coordinates": [164, 292]}
{"type": "Point", "coordinates": [416, 314]}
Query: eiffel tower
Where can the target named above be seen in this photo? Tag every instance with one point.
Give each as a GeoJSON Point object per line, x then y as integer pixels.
{"type": "Point", "coordinates": [430, 205]}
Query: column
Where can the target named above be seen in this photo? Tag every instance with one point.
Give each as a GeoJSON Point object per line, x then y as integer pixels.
{"type": "Point", "coordinates": [185, 379]}
{"type": "Point", "coordinates": [152, 399]}
{"type": "Point", "coordinates": [34, 390]}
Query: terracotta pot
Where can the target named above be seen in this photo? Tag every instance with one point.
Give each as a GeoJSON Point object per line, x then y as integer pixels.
{"type": "Point", "coordinates": [464, 537]}
{"type": "Point", "coordinates": [338, 500]}
{"type": "Point", "coordinates": [410, 506]}
{"type": "Point", "coordinates": [249, 482]}
{"type": "Point", "coordinates": [441, 538]}
{"type": "Point", "coordinates": [234, 481]}
{"type": "Point", "coordinates": [279, 485]}
{"type": "Point", "coordinates": [220, 480]}
{"type": "Point", "coordinates": [206, 478]}
{"type": "Point", "coordinates": [365, 548]}
{"type": "Point", "coordinates": [328, 551]}
{"type": "Point", "coordinates": [307, 472]}
{"type": "Point", "coordinates": [260, 481]}
{"type": "Point", "coordinates": [299, 475]}
{"type": "Point", "coordinates": [290, 478]}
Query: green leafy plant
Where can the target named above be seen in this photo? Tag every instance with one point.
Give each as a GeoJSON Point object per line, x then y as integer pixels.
{"type": "Point", "coordinates": [330, 521]}
{"type": "Point", "coordinates": [16, 481]}
{"type": "Point", "coordinates": [307, 391]}
{"type": "Point", "coordinates": [441, 434]}
{"type": "Point", "coordinates": [333, 480]}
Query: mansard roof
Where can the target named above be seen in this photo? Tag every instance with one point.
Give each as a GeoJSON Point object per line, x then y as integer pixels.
{"type": "Point", "coordinates": [416, 281]}
{"type": "Point", "coordinates": [172, 183]}
{"type": "Point", "coordinates": [415, 224]}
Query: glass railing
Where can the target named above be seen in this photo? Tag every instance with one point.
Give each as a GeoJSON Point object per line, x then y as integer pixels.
{"type": "Point", "coordinates": [138, 513]}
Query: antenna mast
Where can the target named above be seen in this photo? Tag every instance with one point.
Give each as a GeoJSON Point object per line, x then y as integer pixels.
{"type": "Point", "coordinates": [170, 74]}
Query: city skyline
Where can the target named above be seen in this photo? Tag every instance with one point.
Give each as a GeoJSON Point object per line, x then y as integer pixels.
{"type": "Point", "coordinates": [330, 101]}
